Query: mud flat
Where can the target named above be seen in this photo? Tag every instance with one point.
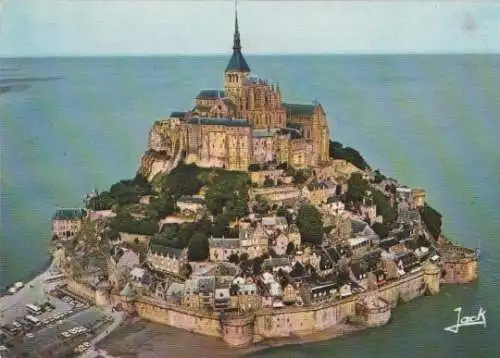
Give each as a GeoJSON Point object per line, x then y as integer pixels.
{"type": "Point", "coordinates": [150, 340]}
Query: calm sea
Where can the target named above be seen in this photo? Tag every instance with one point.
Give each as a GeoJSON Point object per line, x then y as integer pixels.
{"type": "Point", "coordinates": [70, 124]}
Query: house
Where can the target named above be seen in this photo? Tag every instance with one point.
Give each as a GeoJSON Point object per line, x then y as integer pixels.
{"type": "Point", "coordinates": [175, 293]}
{"type": "Point", "coordinates": [166, 259]}
{"type": "Point", "coordinates": [418, 197]}
{"type": "Point", "coordinates": [222, 248]}
{"type": "Point", "coordinates": [280, 244]}
{"type": "Point", "coordinates": [318, 191]}
{"type": "Point", "coordinates": [359, 245]}
{"type": "Point", "coordinates": [190, 205]}
{"type": "Point", "coordinates": [254, 241]}
{"type": "Point", "coordinates": [387, 243]}
{"type": "Point", "coordinates": [222, 299]}
{"type": "Point", "coordinates": [407, 262]}
{"type": "Point", "coordinates": [199, 292]}
{"type": "Point", "coordinates": [273, 223]}
{"type": "Point", "coordinates": [277, 263]}
{"type": "Point", "coordinates": [67, 222]}
{"type": "Point", "coordinates": [369, 210]}
{"type": "Point", "coordinates": [335, 206]}
{"type": "Point", "coordinates": [293, 235]}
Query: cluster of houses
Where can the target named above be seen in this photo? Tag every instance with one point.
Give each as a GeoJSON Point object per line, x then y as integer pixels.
{"type": "Point", "coordinates": [267, 265]}
{"type": "Point", "coordinates": [306, 275]}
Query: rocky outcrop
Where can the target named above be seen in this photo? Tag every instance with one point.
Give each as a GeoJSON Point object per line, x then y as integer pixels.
{"type": "Point", "coordinates": [165, 148]}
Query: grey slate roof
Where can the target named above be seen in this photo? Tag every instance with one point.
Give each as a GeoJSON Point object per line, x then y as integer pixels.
{"type": "Point", "coordinates": [165, 250]}
{"type": "Point", "coordinates": [224, 242]}
{"type": "Point", "coordinates": [69, 214]}
{"type": "Point", "coordinates": [237, 63]}
{"type": "Point", "coordinates": [180, 115]}
{"type": "Point", "coordinates": [220, 122]}
{"type": "Point", "coordinates": [263, 133]}
{"type": "Point", "coordinates": [210, 94]}
{"type": "Point", "coordinates": [296, 109]}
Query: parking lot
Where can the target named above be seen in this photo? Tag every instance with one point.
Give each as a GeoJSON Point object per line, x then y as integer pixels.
{"type": "Point", "coordinates": [62, 322]}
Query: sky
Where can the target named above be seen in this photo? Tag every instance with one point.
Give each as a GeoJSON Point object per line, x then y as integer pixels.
{"type": "Point", "coordinates": [140, 27]}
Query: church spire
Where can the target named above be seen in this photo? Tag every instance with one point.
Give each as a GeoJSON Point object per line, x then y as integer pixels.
{"type": "Point", "coordinates": [236, 40]}
{"type": "Point", "coordinates": [237, 62]}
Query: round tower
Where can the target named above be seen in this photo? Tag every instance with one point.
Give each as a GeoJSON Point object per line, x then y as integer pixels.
{"type": "Point", "coordinates": [431, 278]}
{"type": "Point", "coordinates": [238, 331]}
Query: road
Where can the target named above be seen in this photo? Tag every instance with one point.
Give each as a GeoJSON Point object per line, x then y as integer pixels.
{"type": "Point", "coordinates": [117, 319]}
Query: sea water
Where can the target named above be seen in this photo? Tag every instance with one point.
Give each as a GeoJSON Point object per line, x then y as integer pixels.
{"type": "Point", "coordinates": [70, 124]}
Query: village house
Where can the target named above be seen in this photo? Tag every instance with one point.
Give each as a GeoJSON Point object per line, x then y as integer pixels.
{"type": "Point", "coordinates": [121, 263]}
{"type": "Point", "coordinates": [342, 229]}
{"type": "Point", "coordinates": [280, 244]}
{"type": "Point", "coordinates": [67, 222]}
{"type": "Point", "coordinates": [222, 248]}
{"type": "Point", "coordinates": [293, 235]}
{"type": "Point", "coordinates": [199, 292]}
{"type": "Point", "coordinates": [368, 210]}
{"type": "Point", "coordinates": [271, 224]}
{"type": "Point", "coordinates": [277, 263]}
{"type": "Point", "coordinates": [254, 241]}
{"type": "Point", "coordinates": [318, 192]}
{"type": "Point", "coordinates": [335, 206]}
{"type": "Point", "coordinates": [419, 197]}
{"type": "Point", "coordinates": [166, 259]}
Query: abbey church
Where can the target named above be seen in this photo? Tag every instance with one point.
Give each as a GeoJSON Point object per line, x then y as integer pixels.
{"type": "Point", "coordinates": [246, 123]}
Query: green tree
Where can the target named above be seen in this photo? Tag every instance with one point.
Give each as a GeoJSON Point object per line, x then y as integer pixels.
{"type": "Point", "coordinates": [198, 248]}
{"type": "Point", "coordinates": [384, 208]}
{"type": "Point", "coordinates": [221, 225]}
{"type": "Point", "coordinates": [351, 155]}
{"type": "Point", "coordinates": [432, 220]}
{"type": "Point", "coordinates": [356, 188]}
{"type": "Point", "coordinates": [237, 207]}
{"type": "Point", "coordinates": [310, 224]}
{"type": "Point", "coordinates": [164, 205]}
{"type": "Point", "coordinates": [183, 180]}
{"type": "Point", "coordinates": [381, 230]}
{"type": "Point", "coordinates": [261, 206]}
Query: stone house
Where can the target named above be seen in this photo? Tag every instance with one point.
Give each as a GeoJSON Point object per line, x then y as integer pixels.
{"type": "Point", "coordinates": [419, 196]}
{"type": "Point", "coordinates": [166, 259]}
{"type": "Point", "coordinates": [335, 206]}
{"type": "Point", "coordinates": [273, 223]}
{"type": "Point", "coordinates": [294, 236]}
{"type": "Point", "coordinates": [222, 248]}
{"type": "Point", "coordinates": [318, 192]}
{"type": "Point", "coordinates": [277, 263]}
{"type": "Point", "coordinates": [280, 244]}
{"type": "Point", "coordinates": [254, 241]}
{"type": "Point", "coordinates": [67, 222]}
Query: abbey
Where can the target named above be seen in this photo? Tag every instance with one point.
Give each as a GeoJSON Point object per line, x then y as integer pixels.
{"type": "Point", "coordinates": [246, 123]}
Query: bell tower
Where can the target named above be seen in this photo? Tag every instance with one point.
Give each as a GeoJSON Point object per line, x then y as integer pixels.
{"type": "Point", "coordinates": [237, 69]}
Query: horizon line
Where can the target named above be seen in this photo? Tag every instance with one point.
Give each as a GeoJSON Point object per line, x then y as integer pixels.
{"type": "Point", "coordinates": [111, 55]}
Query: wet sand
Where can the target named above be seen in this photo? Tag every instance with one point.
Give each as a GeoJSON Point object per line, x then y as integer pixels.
{"type": "Point", "coordinates": [150, 340]}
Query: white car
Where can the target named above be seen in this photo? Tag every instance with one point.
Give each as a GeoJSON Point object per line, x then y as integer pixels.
{"type": "Point", "coordinates": [30, 335]}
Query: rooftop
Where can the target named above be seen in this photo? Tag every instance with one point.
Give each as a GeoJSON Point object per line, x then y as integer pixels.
{"type": "Point", "coordinates": [69, 214]}
{"type": "Point", "coordinates": [299, 109]}
{"type": "Point", "coordinates": [210, 94]}
{"type": "Point", "coordinates": [220, 122]}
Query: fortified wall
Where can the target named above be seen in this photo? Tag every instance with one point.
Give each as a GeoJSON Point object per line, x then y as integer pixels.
{"type": "Point", "coordinates": [459, 264]}
{"type": "Point", "coordinates": [244, 329]}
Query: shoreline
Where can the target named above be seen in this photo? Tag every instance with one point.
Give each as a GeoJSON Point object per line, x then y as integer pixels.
{"type": "Point", "coordinates": [142, 338]}
{"type": "Point", "coordinates": [7, 301]}
{"type": "Point", "coordinates": [32, 275]}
